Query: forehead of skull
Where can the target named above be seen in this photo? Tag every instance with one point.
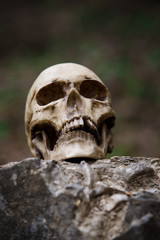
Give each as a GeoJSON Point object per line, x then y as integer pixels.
{"type": "Point", "coordinates": [69, 72]}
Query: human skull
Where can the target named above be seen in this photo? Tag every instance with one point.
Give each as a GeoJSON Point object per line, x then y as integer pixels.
{"type": "Point", "coordinates": [68, 114]}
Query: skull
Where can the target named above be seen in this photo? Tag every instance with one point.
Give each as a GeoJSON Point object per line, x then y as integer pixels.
{"type": "Point", "coordinates": [68, 114]}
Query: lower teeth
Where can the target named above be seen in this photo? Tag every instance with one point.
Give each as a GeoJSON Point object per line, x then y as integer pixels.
{"type": "Point", "coordinates": [73, 135]}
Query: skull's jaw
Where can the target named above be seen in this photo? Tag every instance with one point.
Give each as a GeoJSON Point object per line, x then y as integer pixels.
{"type": "Point", "coordinates": [74, 145]}
{"type": "Point", "coordinates": [78, 138]}
{"type": "Point", "coordinates": [77, 148]}
{"type": "Point", "coordinates": [79, 145]}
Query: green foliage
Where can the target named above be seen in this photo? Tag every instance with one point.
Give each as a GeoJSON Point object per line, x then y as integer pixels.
{"type": "Point", "coordinates": [122, 150]}
{"type": "Point", "coordinates": [8, 96]}
{"type": "Point", "coordinates": [154, 58]}
{"type": "Point", "coordinates": [4, 129]}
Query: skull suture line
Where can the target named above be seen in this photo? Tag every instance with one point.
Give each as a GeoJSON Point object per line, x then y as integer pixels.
{"type": "Point", "coordinates": [68, 114]}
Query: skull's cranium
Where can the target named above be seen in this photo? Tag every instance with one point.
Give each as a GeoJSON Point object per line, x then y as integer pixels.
{"type": "Point", "coordinates": [68, 114]}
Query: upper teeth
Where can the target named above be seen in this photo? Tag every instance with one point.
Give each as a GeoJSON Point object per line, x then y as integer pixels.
{"type": "Point", "coordinates": [76, 123]}
{"type": "Point", "coordinates": [73, 124]}
{"type": "Point", "coordinates": [81, 122]}
{"type": "Point", "coordinates": [92, 126]}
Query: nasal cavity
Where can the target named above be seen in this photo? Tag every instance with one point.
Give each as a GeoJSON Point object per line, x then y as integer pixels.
{"type": "Point", "coordinates": [74, 101]}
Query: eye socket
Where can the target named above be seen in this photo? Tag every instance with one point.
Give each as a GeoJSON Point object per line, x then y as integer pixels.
{"type": "Point", "coordinates": [50, 93]}
{"type": "Point", "coordinates": [93, 89]}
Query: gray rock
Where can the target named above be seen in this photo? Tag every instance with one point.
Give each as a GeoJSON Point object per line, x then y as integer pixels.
{"type": "Point", "coordinates": [117, 198]}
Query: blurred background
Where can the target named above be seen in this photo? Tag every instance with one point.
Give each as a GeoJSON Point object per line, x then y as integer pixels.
{"type": "Point", "coordinates": [118, 40]}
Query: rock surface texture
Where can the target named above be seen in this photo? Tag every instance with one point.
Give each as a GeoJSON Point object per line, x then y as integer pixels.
{"type": "Point", "coordinates": [117, 198]}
